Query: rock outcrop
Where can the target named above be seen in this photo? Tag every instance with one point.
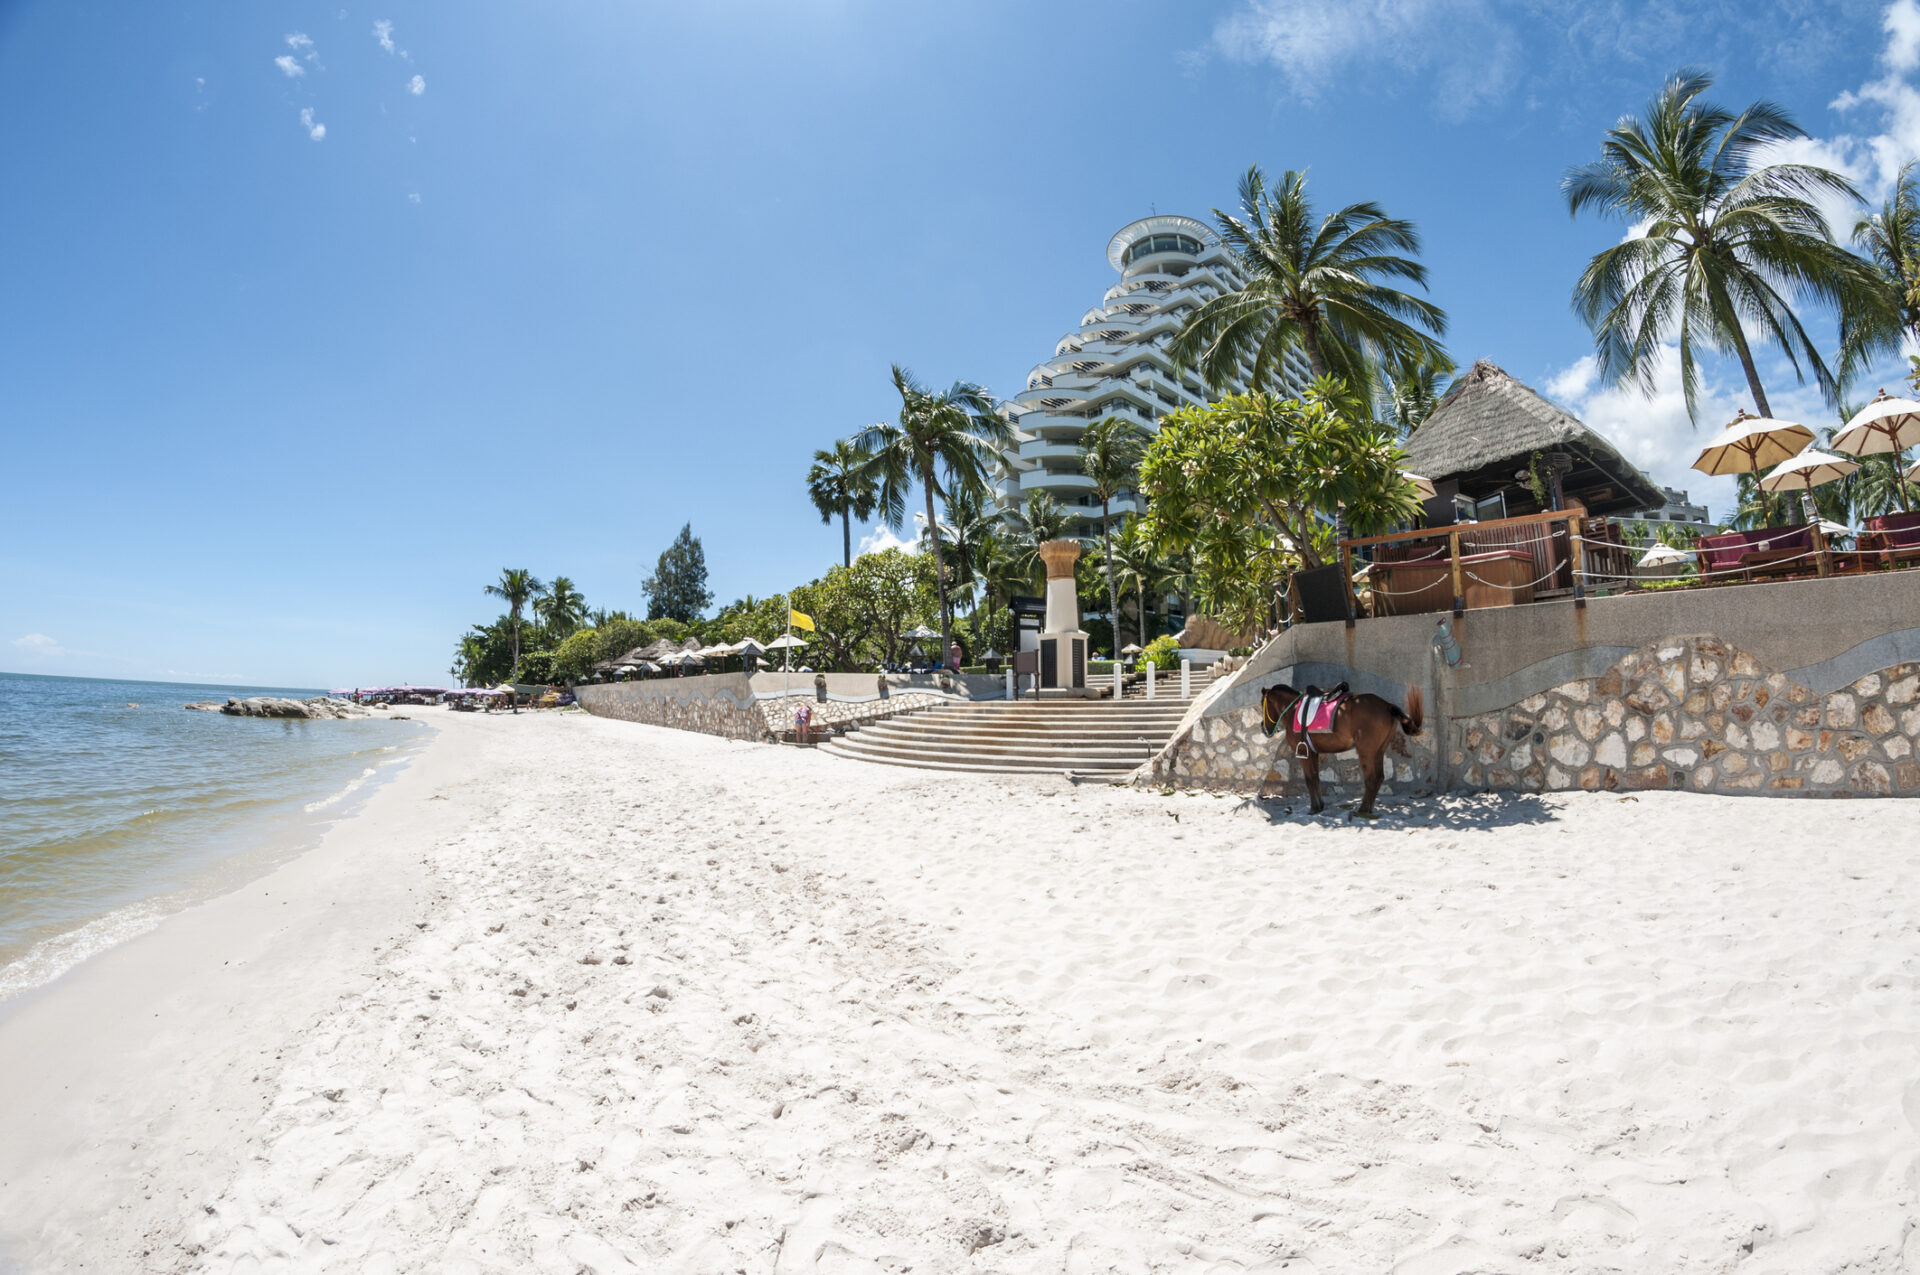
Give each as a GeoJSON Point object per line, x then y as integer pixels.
{"type": "Point", "coordinates": [317, 708]}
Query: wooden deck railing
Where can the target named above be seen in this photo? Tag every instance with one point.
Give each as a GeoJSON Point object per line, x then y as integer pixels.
{"type": "Point", "coordinates": [1499, 562]}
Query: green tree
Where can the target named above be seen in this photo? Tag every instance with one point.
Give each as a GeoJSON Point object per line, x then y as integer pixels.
{"type": "Point", "coordinates": [1136, 563]}
{"type": "Point", "coordinates": [1112, 449]}
{"type": "Point", "coordinates": [1325, 288]}
{"type": "Point", "coordinates": [943, 441]}
{"type": "Point", "coordinates": [516, 588]}
{"type": "Point", "coordinates": [677, 589]}
{"type": "Point", "coordinates": [842, 484]}
{"type": "Point", "coordinates": [561, 607]}
{"type": "Point", "coordinates": [1721, 244]}
{"type": "Point", "coordinates": [1025, 529]}
{"type": "Point", "coordinates": [1414, 394]}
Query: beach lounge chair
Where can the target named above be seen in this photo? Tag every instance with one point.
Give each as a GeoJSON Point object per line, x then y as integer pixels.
{"type": "Point", "coordinates": [1748, 555]}
{"type": "Point", "coordinates": [1894, 537]}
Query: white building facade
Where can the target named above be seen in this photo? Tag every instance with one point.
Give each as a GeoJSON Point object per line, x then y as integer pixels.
{"type": "Point", "coordinates": [1116, 363]}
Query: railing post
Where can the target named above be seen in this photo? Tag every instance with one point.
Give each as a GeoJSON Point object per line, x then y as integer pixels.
{"type": "Point", "coordinates": [1579, 564]}
{"type": "Point", "coordinates": [1186, 679]}
{"type": "Point", "coordinates": [1150, 669]}
{"type": "Point", "coordinates": [1821, 549]}
{"type": "Point", "coordinates": [1346, 579]}
{"type": "Point", "coordinates": [1009, 681]}
{"type": "Point", "coordinates": [1459, 576]}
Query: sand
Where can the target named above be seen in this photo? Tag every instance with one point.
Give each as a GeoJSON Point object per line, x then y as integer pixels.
{"type": "Point", "coordinates": [615, 998]}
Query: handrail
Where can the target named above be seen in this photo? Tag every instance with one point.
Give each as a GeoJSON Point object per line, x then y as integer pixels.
{"type": "Point", "coordinates": [1491, 524]}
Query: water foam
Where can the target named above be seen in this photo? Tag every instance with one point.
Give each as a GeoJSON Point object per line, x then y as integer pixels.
{"type": "Point", "coordinates": [50, 958]}
{"type": "Point", "coordinates": [352, 787]}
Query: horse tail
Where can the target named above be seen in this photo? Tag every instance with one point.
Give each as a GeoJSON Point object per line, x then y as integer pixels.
{"type": "Point", "coordinates": [1416, 714]}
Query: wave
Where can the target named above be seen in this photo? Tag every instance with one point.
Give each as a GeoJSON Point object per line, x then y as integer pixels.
{"type": "Point", "coordinates": [50, 958]}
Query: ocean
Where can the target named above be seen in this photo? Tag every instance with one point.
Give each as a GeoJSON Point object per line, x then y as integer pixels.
{"type": "Point", "coordinates": [118, 808]}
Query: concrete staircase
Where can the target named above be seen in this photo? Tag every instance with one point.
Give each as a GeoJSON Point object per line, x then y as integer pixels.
{"type": "Point", "coordinates": [1098, 738]}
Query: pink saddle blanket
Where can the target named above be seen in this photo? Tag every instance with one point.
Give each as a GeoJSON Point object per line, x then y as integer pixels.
{"type": "Point", "coordinates": [1314, 713]}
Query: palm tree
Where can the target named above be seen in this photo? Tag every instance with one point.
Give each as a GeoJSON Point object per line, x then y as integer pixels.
{"type": "Point", "coordinates": [1413, 394]}
{"type": "Point", "coordinates": [955, 433]}
{"type": "Point", "coordinates": [1027, 529]}
{"type": "Point", "coordinates": [841, 483]}
{"type": "Point", "coordinates": [1320, 288]}
{"type": "Point", "coordinates": [1111, 449]}
{"type": "Point", "coordinates": [1725, 245]}
{"type": "Point", "coordinates": [1137, 564]}
{"type": "Point", "coordinates": [561, 606]}
{"type": "Point", "coordinates": [1890, 241]}
{"type": "Point", "coordinates": [515, 588]}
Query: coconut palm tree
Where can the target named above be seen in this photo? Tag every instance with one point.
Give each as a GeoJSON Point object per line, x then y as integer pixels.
{"type": "Point", "coordinates": [943, 441]}
{"type": "Point", "coordinates": [515, 587]}
{"type": "Point", "coordinates": [1413, 394]}
{"type": "Point", "coordinates": [1720, 245]}
{"type": "Point", "coordinates": [561, 606]}
{"type": "Point", "coordinates": [1137, 564]}
{"type": "Point", "coordinates": [1320, 287]}
{"type": "Point", "coordinates": [1889, 239]}
{"type": "Point", "coordinates": [1111, 449]}
{"type": "Point", "coordinates": [1026, 529]}
{"type": "Point", "coordinates": [841, 483]}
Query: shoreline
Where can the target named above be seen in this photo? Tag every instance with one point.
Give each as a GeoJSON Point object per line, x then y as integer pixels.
{"type": "Point", "coordinates": [130, 1073]}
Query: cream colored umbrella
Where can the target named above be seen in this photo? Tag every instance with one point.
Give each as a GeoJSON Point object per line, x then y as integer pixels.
{"type": "Point", "coordinates": [1750, 444]}
{"type": "Point", "coordinates": [1913, 475]}
{"type": "Point", "coordinates": [1423, 487]}
{"type": "Point", "coordinates": [1811, 468]}
{"type": "Point", "coordinates": [1664, 555]}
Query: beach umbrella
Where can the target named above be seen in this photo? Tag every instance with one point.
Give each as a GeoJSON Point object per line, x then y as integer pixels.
{"type": "Point", "coordinates": [1664, 555]}
{"type": "Point", "coordinates": [1131, 648]}
{"type": "Point", "coordinates": [1423, 487]}
{"type": "Point", "coordinates": [1828, 527]}
{"type": "Point", "coordinates": [748, 645]}
{"type": "Point", "coordinates": [784, 642]}
{"type": "Point", "coordinates": [921, 632]}
{"type": "Point", "coordinates": [1750, 444]}
{"type": "Point", "coordinates": [1811, 468]}
{"type": "Point", "coordinates": [1884, 425]}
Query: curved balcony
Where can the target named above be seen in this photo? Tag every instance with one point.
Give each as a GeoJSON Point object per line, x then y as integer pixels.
{"type": "Point", "coordinates": [1054, 480]}
{"type": "Point", "coordinates": [1040, 449]}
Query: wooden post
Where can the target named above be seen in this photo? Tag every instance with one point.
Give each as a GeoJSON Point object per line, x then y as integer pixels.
{"type": "Point", "coordinates": [1820, 547]}
{"type": "Point", "coordinates": [1579, 564]}
{"type": "Point", "coordinates": [1346, 579]}
{"type": "Point", "coordinates": [1459, 575]}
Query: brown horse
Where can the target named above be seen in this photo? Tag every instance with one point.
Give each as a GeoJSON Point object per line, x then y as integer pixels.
{"type": "Point", "coordinates": [1366, 724]}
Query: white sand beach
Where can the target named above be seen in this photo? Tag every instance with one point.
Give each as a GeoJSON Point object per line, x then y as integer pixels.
{"type": "Point", "coordinates": [580, 995]}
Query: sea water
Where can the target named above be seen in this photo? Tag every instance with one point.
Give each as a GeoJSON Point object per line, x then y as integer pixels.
{"type": "Point", "coordinates": [117, 807]}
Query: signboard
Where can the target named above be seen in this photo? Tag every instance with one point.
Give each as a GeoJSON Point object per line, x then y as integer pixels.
{"type": "Point", "coordinates": [1023, 605]}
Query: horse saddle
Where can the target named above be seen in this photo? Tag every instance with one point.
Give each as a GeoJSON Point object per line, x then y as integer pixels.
{"type": "Point", "coordinates": [1315, 708]}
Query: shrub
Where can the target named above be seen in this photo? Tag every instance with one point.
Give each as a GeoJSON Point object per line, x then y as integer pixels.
{"type": "Point", "coordinates": [1161, 653]}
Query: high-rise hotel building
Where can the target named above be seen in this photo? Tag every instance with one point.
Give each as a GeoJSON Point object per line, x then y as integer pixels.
{"type": "Point", "coordinates": [1117, 364]}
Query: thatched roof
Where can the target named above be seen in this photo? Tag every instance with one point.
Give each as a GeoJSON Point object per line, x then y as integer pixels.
{"type": "Point", "coordinates": [1489, 426]}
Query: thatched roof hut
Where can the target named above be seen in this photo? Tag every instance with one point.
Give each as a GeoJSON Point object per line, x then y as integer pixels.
{"type": "Point", "coordinates": [1486, 431]}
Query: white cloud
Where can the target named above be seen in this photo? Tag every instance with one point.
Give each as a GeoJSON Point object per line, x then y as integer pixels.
{"type": "Point", "coordinates": [1474, 54]}
{"type": "Point", "coordinates": [881, 539]}
{"type": "Point", "coordinates": [299, 40]}
{"type": "Point", "coordinates": [414, 198]}
{"type": "Point", "coordinates": [37, 644]}
{"type": "Point", "coordinates": [417, 85]}
{"type": "Point", "coordinates": [1902, 25]}
{"type": "Point", "coordinates": [291, 67]}
{"type": "Point", "coordinates": [383, 32]}
{"type": "Point", "coordinates": [317, 132]}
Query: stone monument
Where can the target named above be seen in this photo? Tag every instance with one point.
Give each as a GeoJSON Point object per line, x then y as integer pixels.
{"type": "Point", "coordinates": [1063, 645]}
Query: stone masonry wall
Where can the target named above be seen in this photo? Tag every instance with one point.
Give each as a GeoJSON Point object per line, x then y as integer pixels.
{"type": "Point", "coordinates": [1229, 752]}
{"type": "Point", "coordinates": [777, 714]}
{"type": "Point", "coordinates": [722, 705]}
{"type": "Point", "coordinates": [1696, 713]}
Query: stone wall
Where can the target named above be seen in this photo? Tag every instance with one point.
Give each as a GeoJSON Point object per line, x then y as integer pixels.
{"type": "Point", "coordinates": [1796, 688]}
{"type": "Point", "coordinates": [1698, 713]}
{"type": "Point", "coordinates": [719, 704]}
{"type": "Point", "coordinates": [778, 711]}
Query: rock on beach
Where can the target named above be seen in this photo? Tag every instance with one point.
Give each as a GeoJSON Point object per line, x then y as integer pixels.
{"type": "Point", "coordinates": [319, 707]}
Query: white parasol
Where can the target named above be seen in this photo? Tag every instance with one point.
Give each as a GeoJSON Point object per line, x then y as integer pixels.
{"type": "Point", "coordinates": [1811, 468]}
{"type": "Point", "coordinates": [1750, 444]}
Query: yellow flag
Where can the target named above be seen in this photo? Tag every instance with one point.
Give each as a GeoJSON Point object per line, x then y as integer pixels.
{"type": "Point", "coordinates": [799, 621]}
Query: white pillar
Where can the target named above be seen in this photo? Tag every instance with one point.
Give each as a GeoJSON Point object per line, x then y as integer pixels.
{"type": "Point", "coordinates": [1186, 679]}
{"type": "Point", "coordinates": [1150, 669]}
{"type": "Point", "coordinates": [1009, 681]}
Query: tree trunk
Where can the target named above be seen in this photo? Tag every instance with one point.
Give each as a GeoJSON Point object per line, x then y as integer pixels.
{"type": "Point", "coordinates": [1310, 338]}
{"type": "Point", "coordinates": [515, 626]}
{"type": "Point", "coordinates": [1113, 583]}
{"type": "Point", "coordinates": [939, 570]}
{"type": "Point", "coordinates": [1141, 581]}
{"type": "Point", "coordinates": [846, 538]}
{"type": "Point", "coordinates": [1746, 364]}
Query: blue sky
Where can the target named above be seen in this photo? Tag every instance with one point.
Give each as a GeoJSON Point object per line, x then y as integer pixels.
{"type": "Point", "coordinates": [313, 317]}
